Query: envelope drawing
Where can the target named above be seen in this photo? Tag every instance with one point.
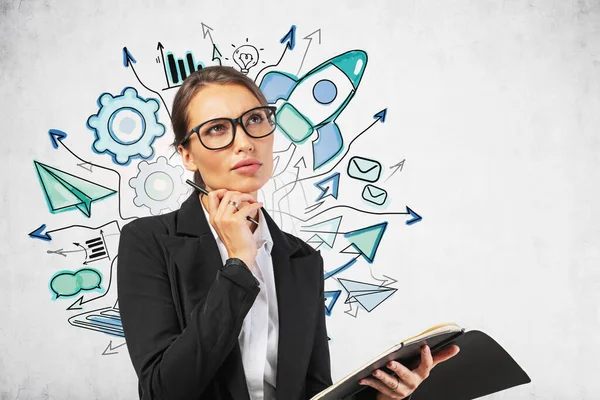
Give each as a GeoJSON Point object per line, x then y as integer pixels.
{"type": "Point", "coordinates": [374, 195]}
{"type": "Point", "coordinates": [364, 169]}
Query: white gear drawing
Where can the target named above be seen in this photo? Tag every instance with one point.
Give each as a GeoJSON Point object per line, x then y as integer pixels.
{"type": "Point", "coordinates": [158, 185]}
{"type": "Point", "coordinates": [121, 116]}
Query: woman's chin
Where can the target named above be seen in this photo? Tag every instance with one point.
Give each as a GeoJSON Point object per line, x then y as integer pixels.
{"type": "Point", "coordinates": [248, 184]}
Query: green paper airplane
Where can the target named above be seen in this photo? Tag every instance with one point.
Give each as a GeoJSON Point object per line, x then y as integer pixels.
{"type": "Point", "coordinates": [65, 191]}
{"type": "Point", "coordinates": [365, 241]}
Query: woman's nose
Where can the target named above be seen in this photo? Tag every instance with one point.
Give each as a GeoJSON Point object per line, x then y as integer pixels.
{"type": "Point", "coordinates": [242, 139]}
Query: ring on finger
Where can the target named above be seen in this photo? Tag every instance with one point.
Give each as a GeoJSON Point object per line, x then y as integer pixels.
{"type": "Point", "coordinates": [233, 203]}
{"type": "Point", "coordinates": [397, 384]}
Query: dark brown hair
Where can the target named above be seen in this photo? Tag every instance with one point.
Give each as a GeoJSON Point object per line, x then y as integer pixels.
{"type": "Point", "coordinates": [213, 75]}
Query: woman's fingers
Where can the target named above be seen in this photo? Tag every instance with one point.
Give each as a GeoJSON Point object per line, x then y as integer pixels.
{"type": "Point", "coordinates": [407, 381]}
{"type": "Point", "coordinates": [445, 354]}
{"type": "Point", "coordinates": [248, 208]}
{"type": "Point", "coordinates": [214, 198]}
{"type": "Point", "coordinates": [383, 388]}
{"type": "Point", "coordinates": [226, 209]}
{"type": "Point", "coordinates": [426, 363]}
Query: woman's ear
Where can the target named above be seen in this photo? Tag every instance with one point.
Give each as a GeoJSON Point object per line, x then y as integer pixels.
{"type": "Point", "coordinates": [186, 157]}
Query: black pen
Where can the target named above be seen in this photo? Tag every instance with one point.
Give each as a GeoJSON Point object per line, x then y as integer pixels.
{"type": "Point", "coordinates": [204, 191]}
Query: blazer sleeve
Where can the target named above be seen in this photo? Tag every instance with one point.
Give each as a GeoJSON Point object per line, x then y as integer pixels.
{"type": "Point", "coordinates": [172, 363]}
{"type": "Point", "coordinates": [318, 376]}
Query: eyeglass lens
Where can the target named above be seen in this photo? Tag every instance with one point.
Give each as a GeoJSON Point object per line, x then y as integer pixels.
{"type": "Point", "coordinates": [219, 133]}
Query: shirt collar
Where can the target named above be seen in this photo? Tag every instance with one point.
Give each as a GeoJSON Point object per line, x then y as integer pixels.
{"type": "Point", "coordinates": [261, 234]}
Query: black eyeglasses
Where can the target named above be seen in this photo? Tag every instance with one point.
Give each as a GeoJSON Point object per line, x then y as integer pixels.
{"type": "Point", "coordinates": [219, 133]}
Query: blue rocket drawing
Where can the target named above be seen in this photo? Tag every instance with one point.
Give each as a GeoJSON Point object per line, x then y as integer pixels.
{"type": "Point", "coordinates": [314, 101]}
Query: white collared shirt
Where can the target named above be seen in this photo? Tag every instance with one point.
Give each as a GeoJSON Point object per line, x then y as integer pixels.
{"type": "Point", "coordinates": [259, 336]}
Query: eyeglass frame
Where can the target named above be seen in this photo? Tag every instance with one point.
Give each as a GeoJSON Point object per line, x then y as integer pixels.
{"type": "Point", "coordinates": [234, 122]}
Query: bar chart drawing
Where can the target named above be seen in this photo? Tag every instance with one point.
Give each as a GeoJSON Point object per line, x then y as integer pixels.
{"type": "Point", "coordinates": [177, 69]}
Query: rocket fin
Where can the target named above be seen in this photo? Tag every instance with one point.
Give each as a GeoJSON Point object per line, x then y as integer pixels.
{"type": "Point", "coordinates": [277, 85]}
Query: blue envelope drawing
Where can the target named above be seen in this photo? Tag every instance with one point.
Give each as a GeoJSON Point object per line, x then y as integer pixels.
{"type": "Point", "coordinates": [374, 195]}
{"type": "Point", "coordinates": [364, 169]}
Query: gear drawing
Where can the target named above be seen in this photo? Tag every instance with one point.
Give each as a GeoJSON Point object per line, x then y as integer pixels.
{"type": "Point", "coordinates": [158, 185]}
{"type": "Point", "coordinates": [125, 126]}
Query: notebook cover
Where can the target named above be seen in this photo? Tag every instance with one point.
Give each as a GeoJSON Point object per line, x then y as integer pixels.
{"type": "Point", "coordinates": [480, 368]}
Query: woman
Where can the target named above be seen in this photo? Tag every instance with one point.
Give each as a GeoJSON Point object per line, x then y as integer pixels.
{"type": "Point", "coordinates": [214, 306]}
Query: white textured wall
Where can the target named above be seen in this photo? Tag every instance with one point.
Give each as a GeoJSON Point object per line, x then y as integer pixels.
{"type": "Point", "coordinates": [495, 105]}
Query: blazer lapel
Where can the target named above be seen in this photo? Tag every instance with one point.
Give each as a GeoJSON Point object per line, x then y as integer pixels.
{"type": "Point", "coordinates": [195, 253]}
{"type": "Point", "coordinates": [297, 286]}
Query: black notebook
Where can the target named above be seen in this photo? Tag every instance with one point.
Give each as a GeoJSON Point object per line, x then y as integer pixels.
{"type": "Point", "coordinates": [480, 368]}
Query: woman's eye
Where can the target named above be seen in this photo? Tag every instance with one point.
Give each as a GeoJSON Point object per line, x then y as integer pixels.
{"type": "Point", "coordinates": [215, 129]}
{"type": "Point", "coordinates": [255, 119]}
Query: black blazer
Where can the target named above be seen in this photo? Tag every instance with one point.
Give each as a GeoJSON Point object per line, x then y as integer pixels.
{"type": "Point", "coordinates": [182, 311]}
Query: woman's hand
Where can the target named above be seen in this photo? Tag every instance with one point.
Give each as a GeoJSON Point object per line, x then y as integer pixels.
{"type": "Point", "coordinates": [231, 224]}
{"type": "Point", "coordinates": [391, 387]}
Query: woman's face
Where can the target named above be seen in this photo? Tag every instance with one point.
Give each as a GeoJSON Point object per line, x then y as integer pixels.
{"type": "Point", "coordinates": [217, 166]}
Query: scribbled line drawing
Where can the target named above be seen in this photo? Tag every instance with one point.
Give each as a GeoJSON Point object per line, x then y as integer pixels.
{"type": "Point", "coordinates": [128, 62]}
{"type": "Point", "coordinates": [363, 242]}
{"type": "Point", "coordinates": [158, 185]}
{"type": "Point", "coordinates": [176, 70]}
{"type": "Point", "coordinates": [314, 101]}
{"type": "Point", "coordinates": [206, 31]}
{"type": "Point", "coordinates": [380, 116]}
{"type": "Point", "coordinates": [67, 283]}
{"type": "Point", "coordinates": [331, 297]}
{"type": "Point", "coordinates": [310, 38]}
{"type": "Point", "coordinates": [397, 167]}
{"type": "Point", "coordinates": [369, 296]}
{"type": "Point", "coordinates": [95, 249]}
{"type": "Point", "coordinates": [415, 217]}
{"type": "Point", "coordinates": [290, 42]}
{"type": "Point", "coordinates": [110, 348]}
{"type": "Point", "coordinates": [325, 232]}
{"type": "Point", "coordinates": [329, 186]}
{"type": "Point", "coordinates": [64, 191]}
{"type": "Point", "coordinates": [290, 38]}
{"type": "Point", "coordinates": [125, 126]}
{"type": "Point", "coordinates": [328, 96]}
{"type": "Point", "coordinates": [105, 320]}
{"type": "Point", "coordinates": [344, 267]}
{"type": "Point", "coordinates": [246, 56]}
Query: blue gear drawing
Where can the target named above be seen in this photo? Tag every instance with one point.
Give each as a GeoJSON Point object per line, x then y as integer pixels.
{"type": "Point", "coordinates": [106, 138]}
{"type": "Point", "coordinates": [158, 185]}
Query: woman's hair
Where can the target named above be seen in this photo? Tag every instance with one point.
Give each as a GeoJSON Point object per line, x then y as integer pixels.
{"type": "Point", "coordinates": [213, 75]}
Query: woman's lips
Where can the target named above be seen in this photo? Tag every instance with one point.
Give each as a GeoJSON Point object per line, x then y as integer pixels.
{"type": "Point", "coordinates": [248, 169]}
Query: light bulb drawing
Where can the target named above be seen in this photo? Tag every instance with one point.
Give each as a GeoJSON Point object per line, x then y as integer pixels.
{"type": "Point", "coordinates": [246, 56]}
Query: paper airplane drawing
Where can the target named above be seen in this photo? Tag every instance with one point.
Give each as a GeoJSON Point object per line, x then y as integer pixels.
{"type": "Point", "coordinates": [64, 191]}
{"type": "Point", "coordinates": [365, 241]}
{"type": "Point", "coordinates": [367, 295]}
{"type": "Point", "coordinates": [324, 232]}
